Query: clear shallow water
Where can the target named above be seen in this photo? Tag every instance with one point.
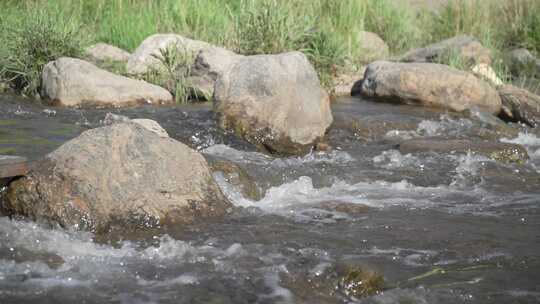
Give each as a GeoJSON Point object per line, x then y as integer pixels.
{"type": "Point", "coordinates": [440, 228]}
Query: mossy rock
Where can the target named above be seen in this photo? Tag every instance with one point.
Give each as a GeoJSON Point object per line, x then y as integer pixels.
{"type": "Point", "coordinates": [345, 282]}
{"type": "Point", "coordinates": [359, 282]}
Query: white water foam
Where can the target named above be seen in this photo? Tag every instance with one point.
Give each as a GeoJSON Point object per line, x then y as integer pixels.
{"type": "Point", "coordinates": [427, 128]}
{"type": "Point", "coordinates": [392, 159]}
{"type": "Point", "coordinates": [297, 198]}
{"type": "Point", "coordinates": [334, 156]}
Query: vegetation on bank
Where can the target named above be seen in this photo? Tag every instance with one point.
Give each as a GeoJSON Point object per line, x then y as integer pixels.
{"type": "Point", "coordinates": [35, 32]}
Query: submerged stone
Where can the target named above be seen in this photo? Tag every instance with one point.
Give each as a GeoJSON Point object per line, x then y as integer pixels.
{"type": "Point", "coordinates": [359, 282]}
{"type": "Point", "coordinates": [237, 177]}
{"type": "Point", "coordinates": [345, 207]}
{"type": "Point", "coordinates": [503, 152]}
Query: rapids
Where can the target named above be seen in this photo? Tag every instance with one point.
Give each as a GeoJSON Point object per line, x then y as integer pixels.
{"type": "Point", "coordinates": [440, 228]}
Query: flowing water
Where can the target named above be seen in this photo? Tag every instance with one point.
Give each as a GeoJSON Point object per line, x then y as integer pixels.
{"type": "Point", "coordinates": [440, 228]}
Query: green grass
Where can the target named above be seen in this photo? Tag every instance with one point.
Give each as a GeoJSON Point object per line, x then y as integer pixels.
{"type": "Point", "coordinates": [35, 32]}
{"type": "Point", "coordinates": [173, 72]}
{"type": "Point", "coordinates": [28, 43]}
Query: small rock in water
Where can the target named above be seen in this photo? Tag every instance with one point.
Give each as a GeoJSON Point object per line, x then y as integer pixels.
{"type": "Point", "coordinates": [22, 255]}
{"type": "Point", "coordinates": [237, 177]}
{"type": "Point", "coordinates": [504, 152]}
{"type": "Point", "coordinates": [350, 208]}
{"type": "Point", "coordinates": [359, 282]}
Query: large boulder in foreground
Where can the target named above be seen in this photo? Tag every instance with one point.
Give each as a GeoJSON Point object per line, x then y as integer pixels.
{"type": "Point", "coordinates": [520, 105]}
{"type": "Point", "coordinates": [428, 84]}
{"type": "Point", "coordinates": [122, 174]}
{"type": "Point", "coordinates": [145, 57]}
{"type": "Point", "coordinates": [468, 48]}
{"type": "Point", "coordinates": [273, 101]}
{"type": "Point", "coordinates": [75, 83]}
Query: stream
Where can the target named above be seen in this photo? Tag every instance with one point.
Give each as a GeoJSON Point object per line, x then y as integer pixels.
{"type": "Point", "coordinates": [438, 227]}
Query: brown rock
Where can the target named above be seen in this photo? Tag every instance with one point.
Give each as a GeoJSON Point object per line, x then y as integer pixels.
{"type": "Point", "coordinates": [468, 48]}
{"type": "Point", "coordinates": [372, 47]}
{"type": "Point", "coordinates": [520, 105]}
{"type": "Point", "coordinates": [74, 82]}
{"type": "Point", "coordinates": [119, 175]}
{"type": "Point", "coordinates": [275, 102]}
{"type": "Point", "coordinates": [106, 52]}
{"type": "Point", "coordinates": [428, 84]}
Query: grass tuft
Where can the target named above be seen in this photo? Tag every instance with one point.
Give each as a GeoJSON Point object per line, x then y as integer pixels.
{"type": "Point", "coordinates": [173, 72]}
{"type": "Point", "coordinates": [27, 44]}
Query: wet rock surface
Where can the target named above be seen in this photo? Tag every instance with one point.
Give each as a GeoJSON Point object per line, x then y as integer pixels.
{"type": "Point", "coordinates": [236, 176]}
{"type": "Point", "coordinates": [77, 83]}
{"type": "Point", "coordinates": [428, 84]}
{"type": "Point", "coordinates": [273, 101]}
{"type": "Point", "coordinates": [520, 105]}
{"type": "Point", "coordinates": [121, 174]}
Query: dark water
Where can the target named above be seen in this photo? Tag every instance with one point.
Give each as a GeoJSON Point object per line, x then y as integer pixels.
{"type": "Point", "coordinates": [440, 228]}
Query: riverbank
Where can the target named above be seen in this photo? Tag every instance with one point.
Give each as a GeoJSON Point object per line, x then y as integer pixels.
{"type": "Point", "coordinates": [34, 33]}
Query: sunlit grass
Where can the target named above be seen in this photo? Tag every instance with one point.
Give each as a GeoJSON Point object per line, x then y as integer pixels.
{"type": "Point", "coordinates": [325, 30]}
